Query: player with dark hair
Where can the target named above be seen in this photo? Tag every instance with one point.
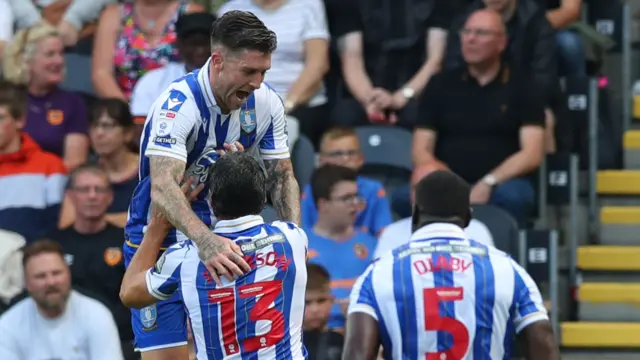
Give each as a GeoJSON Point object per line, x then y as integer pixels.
{"type": "Point", "coordinates": [443, 296]}
{"type": "Point", "coordinates": [256, 316]}
{"type": "Point", "coordinates": [222, 106]}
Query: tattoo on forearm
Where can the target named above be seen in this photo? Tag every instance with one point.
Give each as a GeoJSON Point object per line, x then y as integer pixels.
{"type": "Point", "coordinates": [285, 194]}
{"type": "Point", "coordinates": [166, 174]}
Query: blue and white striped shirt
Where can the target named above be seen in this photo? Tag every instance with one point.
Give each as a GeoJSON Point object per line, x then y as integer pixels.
{"type": "Point", "coordinates": [442, 296]}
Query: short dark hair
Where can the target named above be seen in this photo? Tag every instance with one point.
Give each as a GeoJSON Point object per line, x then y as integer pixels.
{"type": "Point", "coordinates": [86, 168]}
{"type": "Point", "coordinates": [116, 109]}
{"type": "Point", "coordinates": [39, 247]}
{"type": "Point", "coordinates": [442, 195]}
{"type": "Point", "coordinates": [325, 178]}
{"type": "Point", "coordinates": [242, 30]}
{"type": "Point", "coordinates": [238, 186]}
{"type": "Point", "coordinates": [317, 277]}
{"type": "Point", "coordinates": [14, 98]}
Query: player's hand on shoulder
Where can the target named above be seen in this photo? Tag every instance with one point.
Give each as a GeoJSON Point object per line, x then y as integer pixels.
{"type": "Point", "coordinates": [190, 191]}
{"type": "Point", "coordinates": [223, 258]}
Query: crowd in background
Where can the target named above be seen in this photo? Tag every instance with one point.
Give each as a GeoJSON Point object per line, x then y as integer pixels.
{"type": "Point", "coordinates": [479, 90]}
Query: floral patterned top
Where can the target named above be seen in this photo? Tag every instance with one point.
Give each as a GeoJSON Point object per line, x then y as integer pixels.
{"type": "Point", "coordinates": [134, 56]}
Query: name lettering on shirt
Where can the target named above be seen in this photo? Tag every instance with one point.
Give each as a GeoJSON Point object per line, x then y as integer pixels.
{"type": "Point", "coordinates": [442, 263]}
{"type": "Point", "coordinates": [450, 249]}
{"type": "Point", "coordinates": [262, 243]}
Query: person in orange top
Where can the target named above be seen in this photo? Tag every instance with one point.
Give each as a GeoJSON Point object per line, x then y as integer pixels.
{"type": "Point", "coordinates": [32, 180]}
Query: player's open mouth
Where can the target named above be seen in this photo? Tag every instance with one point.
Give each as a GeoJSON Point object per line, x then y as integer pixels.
{"type": "Point", "coordinates": [242, 95]}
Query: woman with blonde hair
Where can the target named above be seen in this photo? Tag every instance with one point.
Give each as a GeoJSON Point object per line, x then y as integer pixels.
{"type": "Point", "coordinates": [56, 119]}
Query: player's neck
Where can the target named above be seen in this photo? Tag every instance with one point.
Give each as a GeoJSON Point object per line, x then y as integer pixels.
{"type": "Point", "coordinates": [333, 231]}
{"type": "Point", "coordinates": [89, 226]}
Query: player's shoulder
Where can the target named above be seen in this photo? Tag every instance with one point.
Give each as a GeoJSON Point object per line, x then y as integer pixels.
{"type": "Point", "coordinates": [177, 97]}
{"type": "Point", "coordinates": [267, 96]}
{"type": "Point", "coordinates": [287, 227]}
{"type": "Point", "coordinates": [175, 255]}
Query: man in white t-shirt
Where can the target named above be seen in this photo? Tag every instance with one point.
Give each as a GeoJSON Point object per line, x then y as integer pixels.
{"type": "Point", "coordinates": [194, 46]}
{"type": "Point", "coordinates": [56, 322]}
{"type": "Point", "coordinates": [399, 232]}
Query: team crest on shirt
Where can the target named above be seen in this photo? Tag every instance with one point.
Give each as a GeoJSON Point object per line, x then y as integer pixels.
{"type": "Point", "coordinates": [112, 256]}
{"type": "Point", "coordinates": [248, 120]}
{"type": "Point", "coordinates": [55, 117]}
{"type": "Point", "coordinates": [148, 317]}
{"type": "Point", "coordinates": [361, 251]}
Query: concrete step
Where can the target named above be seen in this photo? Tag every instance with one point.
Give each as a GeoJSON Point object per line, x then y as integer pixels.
{"type": "Point", "coordinates": [609, 258]}
{"type": "Point", "coordinates": [609, 302]}
{"type": "Point", "coordinates": [618, 182]}
{"type": "Point", "coordinates": [620, 225]}
{"type": "Point", "coordinates": [611, 335]}
{"type": "Point", "coordinates": [631, 145]}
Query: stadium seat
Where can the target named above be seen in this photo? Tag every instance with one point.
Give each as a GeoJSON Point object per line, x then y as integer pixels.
{"type": "Point", "coordinates": [387, 154]}
{"type": "Point", "coordinates": [303, 156]}
{"type": "Point", "coordinates": [503, 227]}
{"type": "Point", "coordinates": [78, 77]}
{"type": "Point", "coordinates": [269, 214]}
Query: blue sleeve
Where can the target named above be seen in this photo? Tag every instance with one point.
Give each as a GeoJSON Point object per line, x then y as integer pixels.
{"type": "Point", "coordinates": [308, 209]}
{"type": "Point", "coordinates": [381, 212]}
{"type": "Point", "coordinates": [164, 278]}
{"type": "Point", "coordinates": [363, 298]}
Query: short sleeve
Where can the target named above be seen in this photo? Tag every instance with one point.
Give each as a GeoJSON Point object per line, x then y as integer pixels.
{"type": "Point", "coordinates": [164, 278]}
{"type": "Point", "coordinates": [316, 21]}
{"type": "Point", "coordinates": [142, 97]}
{"type": "Point", "coordinates": [429, 104]}
{"type": "Point", "coordinates": [362, 297]}
{"type": "Point", "coordinates": [78, 122]}
{"type": "Point", "coordinates": [172, 119]}
{"type": "Point", "coordinates": [381, 211]}
{"type": "Point", "coordinates": [528, 101]}
{"type": "Point", "coordinates": [345, 17]}
{"type": "Point", "coordinates": [273, 145]}
{"type": "Point", "coordinates": [6, 21]}
{"type": "Point", "coordinates": [528, 305]}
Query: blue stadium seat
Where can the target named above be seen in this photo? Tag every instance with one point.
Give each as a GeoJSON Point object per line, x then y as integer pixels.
{"type": "Point", "coordinates": [78, 77]}
{"type": "Point", "coordinates": [269, 214]}
{"type": "Point", "coordinates": [502, 226]}
{"type": "Point", "coordinates": [303, 156]}
{"type": "Point", "coordinates": [387, 154]}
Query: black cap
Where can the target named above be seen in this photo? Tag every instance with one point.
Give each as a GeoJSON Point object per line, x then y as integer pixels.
{"type": "Point", "coordinates": [443, 195]}
{"type": "Point", "coordinates": [188, 24]}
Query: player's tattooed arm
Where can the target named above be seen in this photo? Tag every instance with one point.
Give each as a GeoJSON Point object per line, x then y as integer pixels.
{"type": "Point", "coordinates": [166, 176]}
{"type": "Point", "coordinates": [283, 186]}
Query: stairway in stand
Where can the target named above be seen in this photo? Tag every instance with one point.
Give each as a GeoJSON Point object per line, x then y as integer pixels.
{"type": "Point", "coordinates": [609, 294]}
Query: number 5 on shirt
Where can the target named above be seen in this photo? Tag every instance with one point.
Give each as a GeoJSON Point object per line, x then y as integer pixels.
{"type": "Point", "coordinates": [268, 291]}
{"type": "Point", "coordinates": [434, 322]}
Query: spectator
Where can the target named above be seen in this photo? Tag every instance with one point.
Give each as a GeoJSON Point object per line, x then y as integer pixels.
{"type": "Point", "coordinates": [194, 49]}
{"type": "Point", "coordinates": [340, 146]}
{"type": "Point", "coordinates": [56, 322]}
{"type": "Point", "coordinates": [399, 233]}
{"type": "Point", "coordinates": [73, 18]}
{"type": "Point", "coordinates": [321, 343]}
{"type": "Point", "coordinates": [407, 37]}
{"type": "Point", "coordinates": [531, 47]}
{"type": "Point", "coordinates": [56, 119]}
{"type": "Point", "coordinates": [300, 61]}
{"type": "Point", "coordinates": [6, 25]}
{"type": "Point", "coordinates": [93, 246]}
{"type": "Point", "coordinates": [111, 135]}
{"type": "Point", "coordinates": [31, 180]}
{"type": "Point", "coordinates": [334, 242]}
{"type": "Point", "coordinates": [488, 112]}
{"type": "Point", "coordinates": [11, 276]}
{"type": "Point", "coordinates": [570, 49]}
{"type": "Point", "coordinates": [136, 36]}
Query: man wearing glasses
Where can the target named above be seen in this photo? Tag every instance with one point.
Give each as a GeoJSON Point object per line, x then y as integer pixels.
{"type": "Point", "coordinates": [334, 242]}
{"type": "Point", "coordinates": [340, 146]}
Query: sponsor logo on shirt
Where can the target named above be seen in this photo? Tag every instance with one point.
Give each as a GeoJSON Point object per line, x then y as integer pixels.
{"type": "Point", "coordinates": [164, 127]}
{"type": "Point", "coordinates": [159, 140]}
{"type": "Point", "coordinates": [174, 101]}
{"type": "Point", "coordinates": [167, 115]}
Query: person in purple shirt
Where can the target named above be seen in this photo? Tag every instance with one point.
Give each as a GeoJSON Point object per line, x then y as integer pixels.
{"type": "Point", "coordinates": [334, 242]}
{"type": "Point", "coordinates": [56, 119]}
{"type": "Point", "coordinates": [340, 146]}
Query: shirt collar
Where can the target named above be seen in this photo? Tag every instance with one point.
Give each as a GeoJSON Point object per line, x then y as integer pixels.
{"type": "Point", "coordinates": [205, 84]}
{"type": "Point", "coordinates": [238, 225]}
{"type": "Point", "coordinates": [438, 230]}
